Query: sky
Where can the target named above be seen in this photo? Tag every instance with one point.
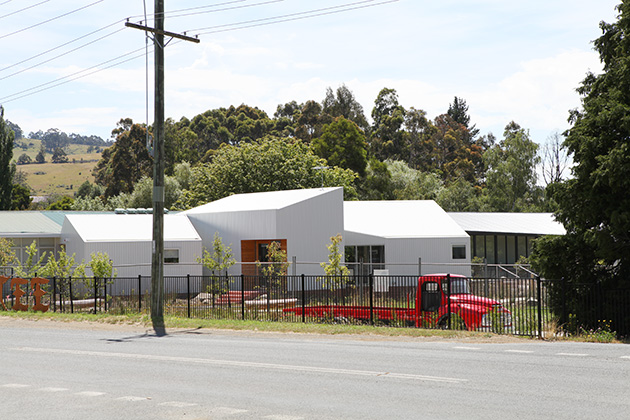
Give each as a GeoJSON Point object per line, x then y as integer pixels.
{"type": "Point", "coordinates": [74, 66]}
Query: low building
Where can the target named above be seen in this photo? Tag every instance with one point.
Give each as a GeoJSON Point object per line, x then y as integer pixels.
{"type": "Point", "coordinates": [503, 238]}
{"type": "Point", "coordinates": [404, 238]}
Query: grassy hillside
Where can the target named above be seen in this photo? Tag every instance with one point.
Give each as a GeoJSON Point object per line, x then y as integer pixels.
{"type": "Point", "coordinates": [57, 178]}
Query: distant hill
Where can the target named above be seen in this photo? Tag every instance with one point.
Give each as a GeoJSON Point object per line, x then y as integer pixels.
{"type": "Point", "coordinates": [57, 178]}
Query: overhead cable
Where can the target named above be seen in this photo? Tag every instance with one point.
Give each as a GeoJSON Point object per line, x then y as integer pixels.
{"type": "Point", "coordinates": [50, 20]}
{"type": "Point", "coordinates": [21, 10]}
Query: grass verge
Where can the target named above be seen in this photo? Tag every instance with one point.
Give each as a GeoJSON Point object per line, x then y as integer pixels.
{"type": "Point", "coordinates": [171, 322]}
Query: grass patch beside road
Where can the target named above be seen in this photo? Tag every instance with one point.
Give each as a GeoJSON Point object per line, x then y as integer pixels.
{"type": "Point", "coordinates": [144, 321]}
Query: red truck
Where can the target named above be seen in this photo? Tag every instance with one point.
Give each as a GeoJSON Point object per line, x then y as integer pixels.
{"type": "Point", "coordinates": [432, 307]}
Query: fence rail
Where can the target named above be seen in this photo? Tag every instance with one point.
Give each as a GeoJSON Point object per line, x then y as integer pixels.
{"type": "Point", "coordinates": [535, 305]}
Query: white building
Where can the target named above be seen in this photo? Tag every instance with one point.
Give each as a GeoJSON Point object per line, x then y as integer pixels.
{"type": "Point", "coordinates": [302, 221]}
{"type": "Point", "coordinates": [398, 235]}
{"type": "Point", "coordinates": [127, 239]}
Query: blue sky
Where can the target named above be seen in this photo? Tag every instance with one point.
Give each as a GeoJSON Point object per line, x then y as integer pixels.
{"type": "Point", "coordinates": [509, 60]}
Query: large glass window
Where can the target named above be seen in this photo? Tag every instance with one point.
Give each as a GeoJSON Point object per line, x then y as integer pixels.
{"type": "Point", "coordinates": [501, 251]}
{"type": "Point", "coordinates": [490, 249]}
{"type": "Point", "coordinates": [364, 259]}
{"type": "Point", "coordinates": [511, 249]}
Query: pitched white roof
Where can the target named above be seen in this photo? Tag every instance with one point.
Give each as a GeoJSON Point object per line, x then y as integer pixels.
{"type": "Point", "coordinates": [400, 219]}
{"type": "Point", "coordinates": [523, 223]}
{"type": "Point", "coordinates": [130, 227]}
{"type": "Point", "coordinates": [27, 224]}
{"type": "Point", "coordinates": [272, 200]}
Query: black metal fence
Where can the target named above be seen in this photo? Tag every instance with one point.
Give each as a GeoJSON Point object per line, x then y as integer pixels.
{"type": "Point", "coordinates": [535, 306]}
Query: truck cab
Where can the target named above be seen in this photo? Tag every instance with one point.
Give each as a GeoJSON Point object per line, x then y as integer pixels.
{"type": "Point", "coordinates": [446, 301]}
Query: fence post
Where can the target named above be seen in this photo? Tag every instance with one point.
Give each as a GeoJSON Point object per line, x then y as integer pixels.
{"type": "Point", "coordinates": [54, 294]}
{"type": "Point", "coordinates": [95, 293]}
{"type": "Point", "coordinates": [563, 294]}
{"type": "Point", "coordinates": [303, 300]}
{"type": "Point", "coordinates": [539, 298]}
{"type": "Point", "coordinates": [188, 292]}
{"type": "Point", "coordinates": [371, 277]}
{"type": "Point", "coordinates": [139, 292]}
{"type": "Point", "coordinates": [242, 296]}
{"type": "Point", "coordinates": [448, 297]}
{"type": "Point", "coordinates": [105, 294]}
{"type": "Point", "coordinates": [70, 297]}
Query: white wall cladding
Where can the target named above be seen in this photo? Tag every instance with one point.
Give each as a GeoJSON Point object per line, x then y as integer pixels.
{"type": "Point", "coordinates": [87, 234]}
{"type": "Point", "coordinates": [305, 218]}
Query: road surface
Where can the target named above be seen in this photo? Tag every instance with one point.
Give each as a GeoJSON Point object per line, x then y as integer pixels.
{"type": "Point", "coordinates": [69, 372]}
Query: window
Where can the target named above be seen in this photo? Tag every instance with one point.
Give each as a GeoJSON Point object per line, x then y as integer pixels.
{"type": "Point", "coordinates": [459, 252]}
{"type": "Point", "coordinates": [171, 256]}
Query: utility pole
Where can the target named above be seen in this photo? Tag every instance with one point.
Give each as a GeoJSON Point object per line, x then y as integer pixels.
{"type": "Point", "coordinates": [157, 255]}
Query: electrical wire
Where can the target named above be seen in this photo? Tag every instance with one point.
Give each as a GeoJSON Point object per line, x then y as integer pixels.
{"type": "Point", "coordinates": [61, 46]}
{"type": "Point", "coordinates": [249, 24]}
{"type": "Point", "coordinates": [21, 10]}
{"type": "Point", "coordinates": [61, 55]}
{"type": "Point", "coordinates": [115, 23]}
{"type": "Point", "coordinates": [51, 19]}
{"type": "Point", "coordinates": [16, 95]}
{"type": "Point", "coordinates": [8, 1]}
{"type": "Point", "coordinates": [291, 17]}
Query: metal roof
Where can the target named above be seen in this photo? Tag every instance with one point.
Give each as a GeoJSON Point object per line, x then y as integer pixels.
{"type": "Point", "coordinates": [400, 219]}
{"type": "Point", "coordinates": [512, 223]}
{"type": "Point", "coordinates": [130, 227]}
{"type": "Point", "coordinates": [271, 200]}
{"type": "Point", "coordinates": [28, 224]}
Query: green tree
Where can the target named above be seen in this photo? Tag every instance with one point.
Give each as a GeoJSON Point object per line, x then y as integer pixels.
{"type": "Point", "coordinates": [336, 271]}
{"type": "Point", "coordinates": [24, 159]}
{"type": "Point", "coordinates": [62, 266]}
{"type": "Point", "coordinates": [33, 265]}
{"type": "Point", "coordinates": [268, 164]}
{"type": "Point", "coordinates": [411, 184]}
{"type": "Point", "coordinates": [7, 169]}
{"type": "Point", "coordinates": [377, 184]}
{"type": "Point", "coordinates": [64, 203]}
{"type": "Point", "coordinates": [20, 197]}
{"type": "Point", "coordinates": [101, 265]}
{"type": "Point", "coordinates": [594, 205]}
{"type": "Point", "coordinates": [342, 103]}
{"type": "Point", "coordinates": [124, 163]}
{"type": "Point", "coordinates": [41, 156]}
{"type": "Point", "coordinates": [59, 156]}
{"type": "Point", "coordinates": [220, 259]}
{"type": "Point", "coordinates": [458, 111]}
{"type": "Point", "coordinates": [511, 172]}
{"type": "Point", "coordinates": [142, 195]}
{"type": "Point", "coordinates": [7, 255]}
{"type": "Point", "coordinates": [342, 144]}
{"type": "Point", "coordinates": [386, 139]}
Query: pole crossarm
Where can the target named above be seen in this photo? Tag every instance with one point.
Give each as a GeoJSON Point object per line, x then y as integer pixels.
{"type": "Point", "coordinates": [166, 33]}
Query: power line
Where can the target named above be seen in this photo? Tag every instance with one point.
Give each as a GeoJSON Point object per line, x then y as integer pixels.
{"type": "Point", "coordinates": [46, 86]}
{"type": "Point", "coordinates": [112, 24]}
{"type": "Point", "coordinates": [8, 1]}
{"type": "Point", "coordinates": [60, 46]}
{"type": "Point", "coordinates": [21, 10]}
{"type": "Point", "coordinates": [60, 55]}
{"type": "Point", "coordinates": [50, 20]}
{"type": "Point", "coordinates": [249, 24]}
{"type": "Point", "coordinates": [291, 17]}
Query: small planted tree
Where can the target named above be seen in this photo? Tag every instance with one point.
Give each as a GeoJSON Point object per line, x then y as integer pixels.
{"type": "Point", "coordinates": [7, 256]}
{"type": "Point", "coordinates": [275, 270]}
{"type": "Point", "coordinates": [336, 272]}
{"type": "Point", "coordinates": [32, 266]}
{"type": "Point", "coordinates": [217, 261]}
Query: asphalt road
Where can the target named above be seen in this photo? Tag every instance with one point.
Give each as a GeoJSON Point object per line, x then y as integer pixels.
{"type": "Point", "coordinates": [65, 372]}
